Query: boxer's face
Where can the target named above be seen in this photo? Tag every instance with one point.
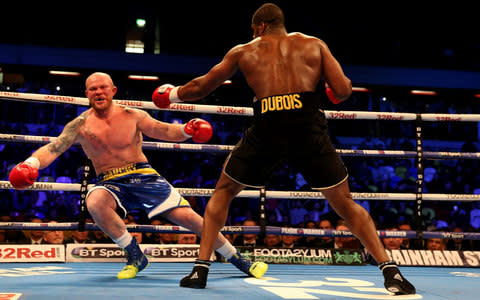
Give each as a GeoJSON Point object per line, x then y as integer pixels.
{"type": "Point", "coordinates": [100, 91]}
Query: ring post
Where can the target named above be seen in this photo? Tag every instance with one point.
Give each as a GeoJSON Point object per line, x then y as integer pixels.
{"type": "Point", "coordinates": [83, 195]}
{"type": "Point", "coordinates": [419, 182]}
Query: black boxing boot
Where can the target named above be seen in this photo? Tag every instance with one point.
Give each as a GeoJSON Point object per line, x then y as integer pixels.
{"type": "Point", "coordinates": [197, 279]}
{"type": "Point", "coordinates": [394, 281]}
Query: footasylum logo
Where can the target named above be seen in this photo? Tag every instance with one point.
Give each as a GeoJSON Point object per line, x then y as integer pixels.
{"type": "Point", "coordinates": [347, 257]}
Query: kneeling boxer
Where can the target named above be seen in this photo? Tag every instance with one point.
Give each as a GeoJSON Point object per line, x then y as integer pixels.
{"type": "Point", "coordinates": [111, 136]}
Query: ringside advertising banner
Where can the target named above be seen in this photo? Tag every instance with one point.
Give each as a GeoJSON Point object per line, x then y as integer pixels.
{"type": "Point", "coordinates": [32, 253]}
{"type": "Point", "coordinates": [188, 253]}
{"type": "Point", "coordinates": [112, 253]}
{"type": "Point", "coordinates": [305, 256]}
{"type": "Point", "coordinates": [436, 258]}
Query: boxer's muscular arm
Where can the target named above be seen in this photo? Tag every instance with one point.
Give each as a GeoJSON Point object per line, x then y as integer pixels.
{"type": "Point", "coordinates": [197, 129]}
{"type": "Point", "coordinates": [49, 152]}
{"type": "Point", "coordinates": [157, 129]}
{"type": "Point", "coordinates": [204, 85]}
{"type": "Point", "coordinates": [334, 76]}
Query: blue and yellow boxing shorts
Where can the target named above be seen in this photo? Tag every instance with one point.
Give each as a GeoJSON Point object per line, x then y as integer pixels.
{"type": "Point", "coordinates": [139, 186]}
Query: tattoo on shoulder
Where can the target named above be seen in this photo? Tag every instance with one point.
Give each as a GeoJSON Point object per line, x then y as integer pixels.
{"type": "Point", "coordinates": [133, 111]}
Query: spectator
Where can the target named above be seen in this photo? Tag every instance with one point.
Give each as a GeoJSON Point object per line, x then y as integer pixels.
{"type": "Point", "coordinates": [436, 244]}
{"type": "Point", "coordinates": [3, 237]}
{"type": "Point", "coordinates": [297, 214]}
{"type": "Point", "coordinates": [167, 238]}
{"type": "Point", "coordinates": [326, 241]}
{"type": "Point", "coordinates": [160, 238]}
{"type": "Point", "coordinates": [310, 241]}
{"type": "Point", "coordinates": [475, 215]}
{"type": "Point", "coordinates": [247, 239]}
{"type": "Point", "coordinates": [392, 243]}
{"type": "Point", "coordinates": [99, 237]}
{"type": "Point", "coordinates": [10, 236]}
{"type": "Point", "coordinates": [187, 238]}
{"type": "Point", "coordinates": [272, 240]}
{"type": "Point", "coordinates": [346, 242]}
{"type": "Point", "coordinates": [32, 237]}
{"type": "Point", "coordinates": [54, 237]}
{"type": "Point", "coordinates": [78, 237]}
{"type": "Point", "coordinates": [405, 226]}
{"type": "Point", "coordinates": [137, 235]}
{"type": "Point", "coordinates": [229, 237]}
{"type": "Point", "coordinates": [288, 241]}
{"type": "Point", "coordinates": [459, 244]}
{"type": "Point", "coordinates": [320, 208]}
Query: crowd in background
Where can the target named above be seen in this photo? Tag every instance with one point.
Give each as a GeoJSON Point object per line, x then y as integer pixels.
{"type": "Point", "coordinates": [201, 170]}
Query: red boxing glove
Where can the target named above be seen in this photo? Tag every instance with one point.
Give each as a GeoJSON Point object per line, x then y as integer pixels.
{"type": "Point", "coordinates": [164, 95]}
{"type": "Point", "coordinates": [331, 95]}
{"type": "Point", "coordinates": [23, 175]}
{"type": "Point", "coordinates": [199, 130]}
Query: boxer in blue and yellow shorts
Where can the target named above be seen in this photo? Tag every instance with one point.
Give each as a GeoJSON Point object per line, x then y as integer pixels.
{"type": "Point", "coordinates": [139, 186]}
{"type": "Point", "coordinates": [111, 135]}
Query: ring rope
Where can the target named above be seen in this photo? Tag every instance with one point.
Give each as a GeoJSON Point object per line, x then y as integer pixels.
{"type": "Point", "coordinates": [244, 111]}
{"type": "Point", "coordinates": [184, 147]}
{"type": "Point", "coordinates": [75, 187]}
{"type": "Point", "coordinates": [242, 230]}
{"type": "Point", "coordinates": [351, 115]}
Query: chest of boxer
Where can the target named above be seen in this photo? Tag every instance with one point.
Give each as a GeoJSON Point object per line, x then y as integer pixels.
{"type": "Point", "coordinates": [111, 142]}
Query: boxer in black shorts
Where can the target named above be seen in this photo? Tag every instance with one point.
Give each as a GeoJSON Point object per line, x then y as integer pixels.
{"type": "Point", "coordinates": [283, 69]}
{"type": "Point", "coordinates": [300, 137]}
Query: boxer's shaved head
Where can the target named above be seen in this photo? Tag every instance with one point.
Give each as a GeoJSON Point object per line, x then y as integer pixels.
{"type": "Point", "coordinates": [269, 13]}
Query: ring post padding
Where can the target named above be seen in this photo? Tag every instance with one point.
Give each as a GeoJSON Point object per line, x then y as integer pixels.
{"type": "Point", "coordinates": [82, 216]}
{"type": "Point", "coordinates": [263, 221]}
{"type": "Point", "coordinates": [419, 181]}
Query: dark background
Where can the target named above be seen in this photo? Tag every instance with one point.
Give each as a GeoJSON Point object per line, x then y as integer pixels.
{"type": "Point", "coordinates": [408, 34]}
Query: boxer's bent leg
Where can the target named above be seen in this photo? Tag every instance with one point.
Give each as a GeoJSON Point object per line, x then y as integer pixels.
{"type": "Point", "coordinates": [188, 218]}
{"type": "Point", "coordinates": [357, 219]}
{"type": "Point", "coordinates": [102, 207]}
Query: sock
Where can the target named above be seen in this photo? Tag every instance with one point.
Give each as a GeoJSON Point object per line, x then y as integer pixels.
{"type": "Point", "coordinates": [387, 264]}
{"type": "Point", "coordinates": [124, 240]}
{"type": "Point", "coordinates": [227, 250]}
{"type": "Point", "coordinates": [202, 263]}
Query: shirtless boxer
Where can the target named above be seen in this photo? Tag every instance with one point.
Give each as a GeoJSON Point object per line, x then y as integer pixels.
{"type": "Point", "coordinates": [111, 136]}
{"type": "Point", "coordinates": [283, 69]}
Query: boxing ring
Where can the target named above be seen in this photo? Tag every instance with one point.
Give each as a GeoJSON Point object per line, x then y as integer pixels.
{"type": "Point", "coordinates": [77, 281]}
{"type": "Point", "coordinates": [282, 281]}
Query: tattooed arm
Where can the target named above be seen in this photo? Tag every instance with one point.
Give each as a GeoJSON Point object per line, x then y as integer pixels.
{"type": "Point", "coordinates": [49, 152]}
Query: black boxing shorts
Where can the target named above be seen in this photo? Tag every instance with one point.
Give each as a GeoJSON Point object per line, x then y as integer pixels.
{"type": "Point", "coordinates": [289, 128]}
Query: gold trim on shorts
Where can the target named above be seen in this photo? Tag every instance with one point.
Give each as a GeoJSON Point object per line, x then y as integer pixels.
{"type": "Point", "coordinates": [332, 186]}
{"type": "Point", "coordinates": [126, 170]}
